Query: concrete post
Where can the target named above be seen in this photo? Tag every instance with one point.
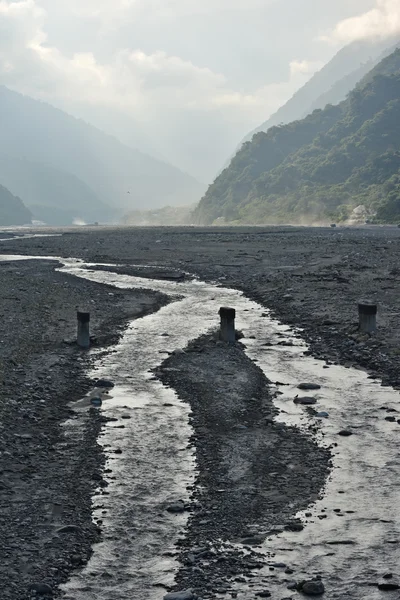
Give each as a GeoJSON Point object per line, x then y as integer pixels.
{"type": "Point", "coordinates": [367, 317]}
{"type": "Point", "coordinates": [227, 331]}
{"type": "Point", "coordinates": [83, 339]}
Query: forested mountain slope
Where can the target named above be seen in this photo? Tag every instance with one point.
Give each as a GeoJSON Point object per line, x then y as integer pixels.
{"type": "Point", "coordinates": [321, 167]}
{"type": "Point", "coordinates": [332, 83]}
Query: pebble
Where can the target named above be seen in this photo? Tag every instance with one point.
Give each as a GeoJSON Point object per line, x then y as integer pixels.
{"type": "Point", "coordinates": [177, 507]}
{"type": "Point", "coordinates": [184, 595]}
{"type": "Point", "coordinates": [345, 432]}
{"type": "Point", "coordinates": [309, 386]}
{"type": "Point", "coordinates": [41, 589]}
{"type": "Point", "coordinates": [104, 383]}
{"type": "Point", "coordinates": [305, 400]}
{"type": "Point", "coordinates": [388, 587]}
{"type": "Point", "coordinates": [70, 529]}
{"type": "Point", "coordinates": [312, 588]}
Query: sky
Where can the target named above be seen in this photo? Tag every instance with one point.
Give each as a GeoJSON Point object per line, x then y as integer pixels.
{"type": "Point", "coordinates": [181, 79]}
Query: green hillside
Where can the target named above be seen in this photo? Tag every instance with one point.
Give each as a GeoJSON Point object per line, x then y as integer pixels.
{"type": "Point", "coordinates": [321, 167]}
{"type": "Point", "coordinates": [12, 209]}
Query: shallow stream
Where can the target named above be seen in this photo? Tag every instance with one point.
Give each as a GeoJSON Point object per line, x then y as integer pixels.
{"type": "Point", "coordinates": [361, 503]}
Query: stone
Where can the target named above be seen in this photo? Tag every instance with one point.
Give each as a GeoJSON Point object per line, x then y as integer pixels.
{"type": "Point", "coordinates": [70, 529]}
{"type": "Point", "coordinates": [309, 386]}
{"type": "Point", "coordinates": [312, 588]}
{"type": "Point", "coordinates": [264, 594]}
{"type": "Point", "coordinates": [322, 415]}
{"type": "Point", "coordinates": [104, 383]}
{"type": "Point", "coordinates": [184, 595]}
{"type": "Point", "coordinates": [176, 507]}
{"type": "Point", "coordinates": [388, 586]}
{"type": "Point", "coordinates": [96, 401]}
{"type": "Point", "coordinates": [41, 589]}
{"type": "Point", "coordinates": [345, 432]}
{"type": "Point", "coordinates": [305, 400]}
{"type": "Point", "coordinates": [294, 526]}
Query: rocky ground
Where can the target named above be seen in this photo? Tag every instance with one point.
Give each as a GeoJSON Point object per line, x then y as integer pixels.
{"type": "Point", "coordinates": [253, 474]}
{"type": "Point", "coordinates": [47, 478]}
{"type": "Point", "coordinates": [310, 278]}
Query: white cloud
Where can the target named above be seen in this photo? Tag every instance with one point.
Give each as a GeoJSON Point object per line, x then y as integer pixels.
{"type": "Point", "coordinates": [304, 67]}
{"type": "Point", "coordinates": [381, 21]}
{"type": "Point", "coordinates": [191, 112]}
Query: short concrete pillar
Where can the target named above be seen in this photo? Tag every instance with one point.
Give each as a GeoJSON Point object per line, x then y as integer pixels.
{"type": "Point", "coordinates": [83, 339]}
{"type": "Point", "coordinates": [367, 317]}
{"type": "Point", "coordinates": [227, 331]}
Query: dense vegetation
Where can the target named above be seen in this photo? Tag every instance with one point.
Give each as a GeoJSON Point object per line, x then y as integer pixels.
{"type": "Point", "coordinates": [54, 160]}
{"type": "Point", "coordinates": [321, 167]}
{"type": "Point", "coordinates": [332, 83]}
{"type": "Point", "coordinates": [12, 209]}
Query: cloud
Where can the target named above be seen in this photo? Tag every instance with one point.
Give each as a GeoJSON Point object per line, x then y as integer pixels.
{"type": "Point", "coordinates": [381, 21]}
{"type": "Point", "coordinates": [192, 113]}
{"type": "Point", "coordinates": [304, 67]}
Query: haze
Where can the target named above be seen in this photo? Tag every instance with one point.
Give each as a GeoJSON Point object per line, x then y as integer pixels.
{"type": "Point", "coordinates": [180, 80]}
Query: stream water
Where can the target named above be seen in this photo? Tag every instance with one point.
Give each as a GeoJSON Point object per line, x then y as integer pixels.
{"type": "Point", "coordinates": [352, 537]}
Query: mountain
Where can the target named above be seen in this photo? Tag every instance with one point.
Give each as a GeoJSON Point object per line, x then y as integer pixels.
{"type": "Point", "coordinates": [39, 133]}
{"type": "Point", "coordinates": [54, 196]}
{"type": "Point", "coordinates": [322, 167]}
{"type": "Point", "coordinates": [332, 83]}
{"type": "Point", "coordinates": [12, 209]}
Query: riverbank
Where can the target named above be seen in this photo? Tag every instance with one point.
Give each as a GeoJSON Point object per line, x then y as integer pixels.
{"type": "Point", "coordinates": [47, 478]}
{"type": "Point", "coordinates": [253, 474]}
{"type": "Point", "coordinates": [311, 278]}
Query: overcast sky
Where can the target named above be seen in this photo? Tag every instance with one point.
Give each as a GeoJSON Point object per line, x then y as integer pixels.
{"type": "Point", "coordinates": [186, 79]}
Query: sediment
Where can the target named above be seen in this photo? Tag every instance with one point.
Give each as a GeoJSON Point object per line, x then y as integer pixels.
{"type": "Point", "coordinates": [47, 475]}
{"type": "Point", "coordinates": [254, 473]}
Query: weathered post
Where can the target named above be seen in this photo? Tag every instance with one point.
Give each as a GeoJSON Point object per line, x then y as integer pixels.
{"type": "Point", "coordinates": [227, 331]}
{"type": "Point", "coordinates": [83, 339]}
{"type": "Point", "coordinates": [367, 317]}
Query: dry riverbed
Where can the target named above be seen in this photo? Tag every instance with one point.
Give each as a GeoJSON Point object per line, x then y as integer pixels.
{"type": "Point", "coordinates": [309, 278]}
{"type": "Point", "coordinates": [46, 478]}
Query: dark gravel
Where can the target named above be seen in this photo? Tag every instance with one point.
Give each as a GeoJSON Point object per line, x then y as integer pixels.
{"type": "Point", "coordinates": [46, 478]}
{"type": "Point", "coordinates": [253, 474]}
{"type": "Point", "coordinates": [310, 278]}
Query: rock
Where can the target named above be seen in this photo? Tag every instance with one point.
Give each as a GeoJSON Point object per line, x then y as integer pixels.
{"type": "Point", "coordinates": [176, 507]}
{"type": "Point", "coordinates": [70, 529]}
{"type": "Point", "coordinates": [264, 594]}
{"type": "Point", "coordinates": [312, 588]}
{"type": "Point", "coordinates": [104, 383]}
{"type": "Point", "coordinates": [294, 526]}
{"type": "Point", "coordinates": [96, 401]}
{"type": "Point", "coordinates": [388, 576]}
{"type": "Point", "coordinates": [345, 432]}
{"type": "Point", "coordinates": [184, 595]}
{"type": "Point", "coordinates": [388, 586]}
{"type": "Point", "coordinates": [309, 386]}
{"type": "Point", "coordinates": [41, 589]}
{"type": "Point", "coordinates": [305, 400]}
{"type": "Point", "coordinates": [390, 419]}
{"type": "Point", "coordinates": [323, 414]}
